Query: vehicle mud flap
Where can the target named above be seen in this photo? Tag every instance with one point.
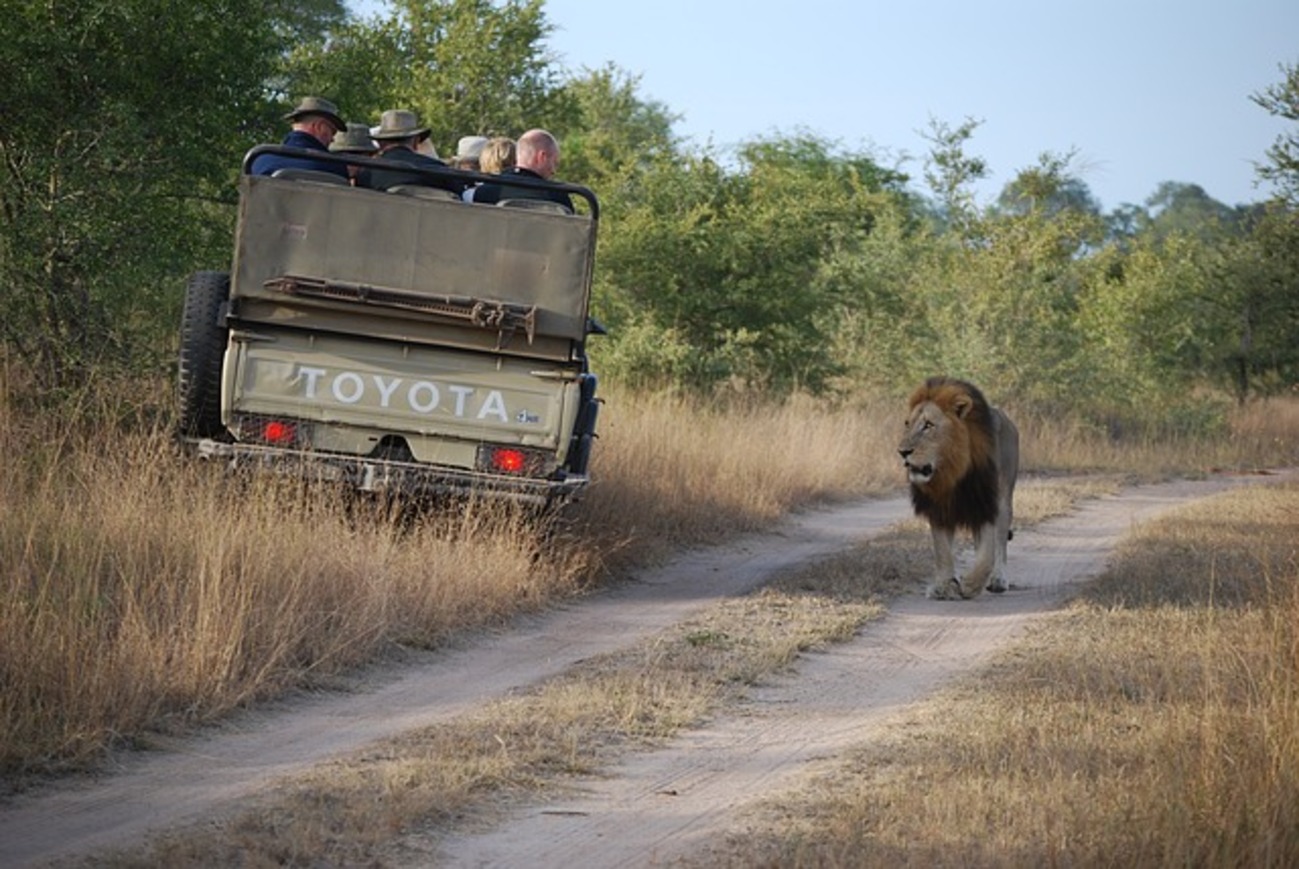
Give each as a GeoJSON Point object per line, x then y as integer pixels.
{"type": "Point", "coordinates": [203, 339]}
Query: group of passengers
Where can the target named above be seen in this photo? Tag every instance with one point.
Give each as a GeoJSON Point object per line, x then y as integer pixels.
{"type": "Point", "coordinates": [316, 125]}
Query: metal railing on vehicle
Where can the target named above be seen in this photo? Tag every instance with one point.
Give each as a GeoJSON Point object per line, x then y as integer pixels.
{"type": "Point", "coordinates": [433, 173]}
{"type": "Point", "coordinates": [291, 174]}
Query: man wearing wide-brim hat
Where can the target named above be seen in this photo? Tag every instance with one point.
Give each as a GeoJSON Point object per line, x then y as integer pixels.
{"type": "Point", "coordinates": [354, 140]}
{"type": "Point", "coordinates": [398, 134]}
{"type": "Point", "coordinates": [314, 121]}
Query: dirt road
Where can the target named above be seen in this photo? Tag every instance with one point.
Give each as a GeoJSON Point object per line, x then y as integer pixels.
{"type": "Point", "coordinates": [658, 806]}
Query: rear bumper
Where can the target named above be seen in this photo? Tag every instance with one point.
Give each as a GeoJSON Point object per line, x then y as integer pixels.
{"type": "Point", "coordinates": [380, 475]}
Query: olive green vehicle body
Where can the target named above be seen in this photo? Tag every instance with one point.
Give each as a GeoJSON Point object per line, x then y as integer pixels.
{"type": "Point", "coordinates": [400, 341]}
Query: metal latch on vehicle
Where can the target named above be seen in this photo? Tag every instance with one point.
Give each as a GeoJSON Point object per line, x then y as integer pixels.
{"type": "Point", "coordinates": [505, 317]}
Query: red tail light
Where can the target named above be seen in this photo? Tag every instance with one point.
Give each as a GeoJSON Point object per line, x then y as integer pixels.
{"type": "Point", "coordinates": [272, 431]}
{"type": "Point", "coordinates": [514, 461]}
{"type": "Point", "coordinates": [279, 433]}
{"type": "Point", "coordinates": [509, 461]}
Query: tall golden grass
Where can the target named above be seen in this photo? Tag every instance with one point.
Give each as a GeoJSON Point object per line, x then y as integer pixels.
{"type": "Point", "coordinates": [672, 471]}
{"type": "Point", "coordinates": [140, 590]}
{"type": "Point", "coordinates": [1259, 434]}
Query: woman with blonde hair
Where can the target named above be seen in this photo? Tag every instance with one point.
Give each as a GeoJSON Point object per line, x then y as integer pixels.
{"type": "Point", "coordinates": [497, 155]}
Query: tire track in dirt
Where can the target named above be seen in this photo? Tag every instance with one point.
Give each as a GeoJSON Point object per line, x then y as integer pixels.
{"type": "Point", "coordinates": [666, 806]}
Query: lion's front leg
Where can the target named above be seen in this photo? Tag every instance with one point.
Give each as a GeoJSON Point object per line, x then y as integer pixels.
{"type": "Point", "coordinates": [946, 585]}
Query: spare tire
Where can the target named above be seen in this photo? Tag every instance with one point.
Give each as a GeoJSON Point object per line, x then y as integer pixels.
{"type": "Point", "coordinates": [203, 337]}
{"type": "Point", "coordinates": [579, 450]}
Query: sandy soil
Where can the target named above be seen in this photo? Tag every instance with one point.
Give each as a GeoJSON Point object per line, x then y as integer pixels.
{"type": "Point", "coordinates": [658, 807]}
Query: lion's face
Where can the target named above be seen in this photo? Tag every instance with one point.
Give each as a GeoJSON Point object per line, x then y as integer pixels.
{"type": "Point", "coordinates": [935, 443]}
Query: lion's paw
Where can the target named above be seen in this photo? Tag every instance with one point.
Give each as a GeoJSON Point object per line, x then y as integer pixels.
{"type": "Point", "coordinates": [998, 584]}
{"type": "Point", "coordinates": [949, 590]}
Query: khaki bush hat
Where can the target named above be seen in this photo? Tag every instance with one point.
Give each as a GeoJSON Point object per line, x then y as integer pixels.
{"type": "Point", "coordinates": [398, 124]}
{"type": "Point", "coordinates": [317, 106]}
{"type": "Point", "coordinates": [354, 140]}
{"type": "Point", "coordinates": [470, 147]}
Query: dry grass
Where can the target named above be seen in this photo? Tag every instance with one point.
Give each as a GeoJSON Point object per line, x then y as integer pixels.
{"type": "Point", "coordinates": [140, 591]}
{"type": "Point", "coordinates": [1259, 435]}
{"type": "Point", "coordinates": [673, 473]}
{"type": "Point", "coordinates": [1154, 723]}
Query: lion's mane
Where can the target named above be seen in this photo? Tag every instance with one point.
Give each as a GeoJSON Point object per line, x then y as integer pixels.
{"type": "Point", "coordinates": [963, 491]}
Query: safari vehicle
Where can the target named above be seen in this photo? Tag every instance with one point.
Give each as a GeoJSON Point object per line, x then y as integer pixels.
{"type": "Point", "coordinates": [399, 341]}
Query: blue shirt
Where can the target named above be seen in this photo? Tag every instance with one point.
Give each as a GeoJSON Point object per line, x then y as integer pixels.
{"type": "Point", "coordinates": [265, 164]}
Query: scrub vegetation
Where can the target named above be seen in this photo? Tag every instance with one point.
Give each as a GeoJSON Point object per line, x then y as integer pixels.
{"type": "Point", "coordinates": [768, 309]}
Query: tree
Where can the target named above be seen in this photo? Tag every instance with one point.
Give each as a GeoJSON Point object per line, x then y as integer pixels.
{"type": "Point", "coordinates": [1183, 310]}
{"type": "Point", "coordinates": [729, 276]}
{"type": "Point", "coordinates": [1126, 221]}
{"type": "Point", "coordinates": [309, 20]}
{"type": "Point", "coordinates": [950, 172]}
{"type": "Point", "coordinates": [1151, 327]}
{"type": "Point", "coordinates": [1186, 209]}
{"type": "Point", "coordinates": [114, 163]}
{"type": "Point", "coordinates": [615, 131]}
{"type": "Point", "coordinates": [1050, 188]}
{"type": "Point", "coordinates": [1282, 165]}
{"type": "Point", "coordinates": [1261, 308]}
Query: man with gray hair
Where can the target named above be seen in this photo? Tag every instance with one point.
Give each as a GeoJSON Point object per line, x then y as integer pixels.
{"type": "Point", "coordinates": [536, 156]}
{"type": "Point", "coordinates": [314, 122]}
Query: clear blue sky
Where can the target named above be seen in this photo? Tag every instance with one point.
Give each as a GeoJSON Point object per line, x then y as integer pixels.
{"type": "Point", "coordinates": [1144, 90]}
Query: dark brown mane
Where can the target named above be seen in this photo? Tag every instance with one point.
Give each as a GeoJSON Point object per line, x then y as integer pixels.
{"type": "Point", "coordinates": [971, 500]}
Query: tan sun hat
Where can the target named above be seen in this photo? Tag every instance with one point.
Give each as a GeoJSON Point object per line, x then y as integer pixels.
{"type": "Point", "coordinates": [398, 124]}
{"type": "Point", "coordinates": [354, 140]}
{"type": "Point", "coordinates": [317, 106]}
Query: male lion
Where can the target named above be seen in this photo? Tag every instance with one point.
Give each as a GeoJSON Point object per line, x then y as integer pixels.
{"type": "Point", "coordinates": [961, 457]}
